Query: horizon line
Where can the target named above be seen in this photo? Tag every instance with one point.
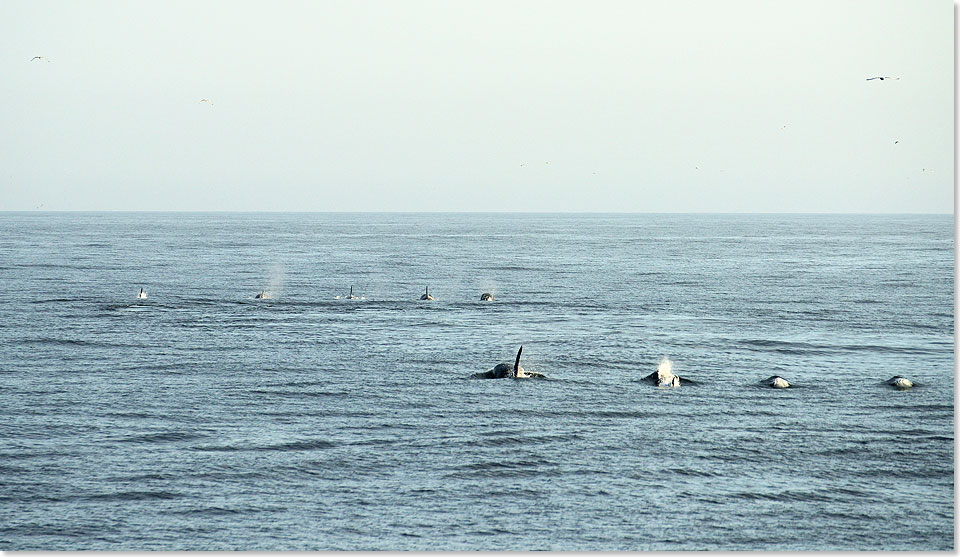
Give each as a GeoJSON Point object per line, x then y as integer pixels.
{"type": "Point", "coordinates": [242, 211]}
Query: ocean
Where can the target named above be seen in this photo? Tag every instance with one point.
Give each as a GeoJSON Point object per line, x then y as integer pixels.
{"type": "Point", "coordinates": [204, 418]}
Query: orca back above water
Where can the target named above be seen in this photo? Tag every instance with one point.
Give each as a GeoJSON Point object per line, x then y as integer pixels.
{"type": "Point", "coordinates": [503, 370]}
{"type": "Point", "coordinates": [900, 382]}
{"type": "Point", "coordinates": [142, 294]}
{"type": "Point", "coordinates": [486, 297]}
{"type": "Point", "coordinates": [776, 382]}
{"type": "Point", "coordinates": [664, 376]}
{"type": "Point", "coordinates": [426, 295]}
{"type": "Point", "coordinates": [263, 295]}
{"type": "Point", "coordinates": [499, 371]}
{"type": "Point", "coordinates": [671, 380]}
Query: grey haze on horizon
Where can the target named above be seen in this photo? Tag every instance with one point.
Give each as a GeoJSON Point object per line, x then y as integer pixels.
{"type": "Point", "coordinates": [642, 106]}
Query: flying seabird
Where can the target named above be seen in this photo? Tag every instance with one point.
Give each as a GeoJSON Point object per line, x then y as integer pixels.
{"type": "Point", "coordinates": [39, 58]}
{"type": "Point", "coordinates": [881, 77]}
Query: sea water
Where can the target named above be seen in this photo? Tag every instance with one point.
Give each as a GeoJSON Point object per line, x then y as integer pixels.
{"type": "Point", "coordinates": [203, 418]}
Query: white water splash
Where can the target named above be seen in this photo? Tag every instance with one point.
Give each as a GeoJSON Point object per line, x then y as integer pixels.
{"type": "Point", "coordinates": [665, 368]}
{"type": "Point", "coordinates": [275, 281]}
{"type": "Point", "coordinates": [488, 286]}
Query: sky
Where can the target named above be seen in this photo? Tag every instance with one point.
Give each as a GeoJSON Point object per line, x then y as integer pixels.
{"type": "Point", "coordinates": [431, 105]}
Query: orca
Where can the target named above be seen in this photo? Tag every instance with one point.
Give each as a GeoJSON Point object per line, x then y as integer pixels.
{"type": "Point", "coordinates": [263, 295]}
{"type": "Point", "coordinates": [900, 382]}
{"type": "Point", "coordinates": [776, 382]}
{"type": "Point", "coordinates": [142, 294]}
{"type": "Point", "coordinates": [426, 295]}
{"type": "Point", "coordinates": [504, 370]}
{"type": "Point", "coordinates": [350, 296]}
{"type": "Point", "coordinates": [664, 376]}
{"type": "Point", "coordinates": [486, 297]}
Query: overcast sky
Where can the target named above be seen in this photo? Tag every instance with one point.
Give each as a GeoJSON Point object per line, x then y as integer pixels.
{"type": "Point", "coordinates": [646, 106]}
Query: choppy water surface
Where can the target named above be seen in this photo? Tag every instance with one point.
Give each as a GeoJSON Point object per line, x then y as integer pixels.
{"type": "Point", "coordinates": [201, 418]}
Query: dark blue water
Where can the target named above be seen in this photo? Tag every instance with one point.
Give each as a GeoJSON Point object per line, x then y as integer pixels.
{"type": "Point", "coordinates": [202, 418]}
